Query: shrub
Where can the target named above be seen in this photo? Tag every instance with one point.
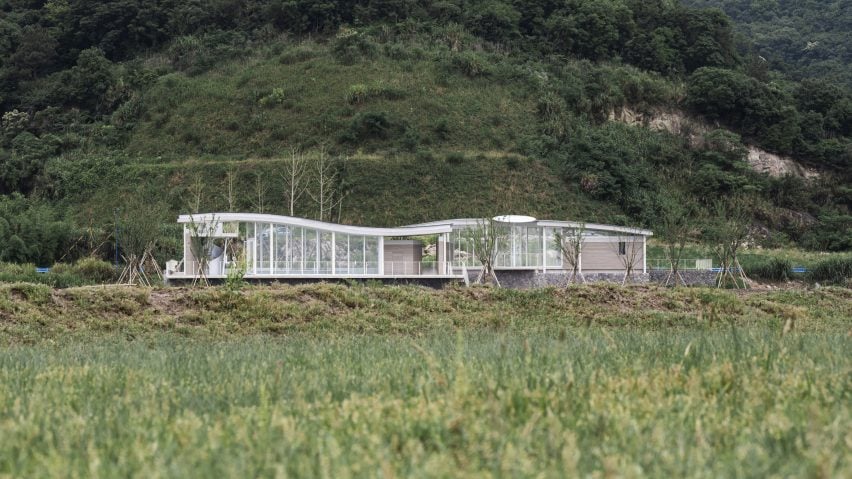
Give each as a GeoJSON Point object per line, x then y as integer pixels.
{"type": "Point", "coordinates": [298, 54]}
{"type": "Point", "coordinates": [277, 97]}
{"type": "Point", "coordinates": [470, 64]}
{"type": "Point", "coordinates": [441, 128]}
{"type": "Point", "coordinates": [775, 269]}
{"type": "Point", "coordinates": [410, 139]}
{"type": "Point", "coordinates": [361, 93]}
{"type": "Point", "coordinates": [350, 45]}
{"type": "Point", "coordinates": [832, 270]}
{"type": "Point", "coordinates": [455, 158]}
{"type": "Point", "coordinates": [424, 156]}
{"type": "Point", "coordinates": [367, 126]}
{"type": "Point", "coordinates": [95, 270]}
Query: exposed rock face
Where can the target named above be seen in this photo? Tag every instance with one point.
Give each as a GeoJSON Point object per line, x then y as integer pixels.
{"type": "Point", "coordinates": [776, 165]}
{"type": "Point", "coordinates": [678, 123]}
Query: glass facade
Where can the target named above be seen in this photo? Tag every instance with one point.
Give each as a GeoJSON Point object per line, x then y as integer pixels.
{"type": "Point", "coordinates": [522, 247]}
{"type": "Point", "coordinates": [276, 249]}
{"type": "Point", "coordinates": [274, 246]}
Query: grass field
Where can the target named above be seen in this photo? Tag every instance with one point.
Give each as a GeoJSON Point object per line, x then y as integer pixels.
{"type": "Point", "coordinates": [337, 381]}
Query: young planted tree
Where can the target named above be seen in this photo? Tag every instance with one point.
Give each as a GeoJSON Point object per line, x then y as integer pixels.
{"type": "Point", "coordinates": [484, 237]}
{"type": "Point", "coordinates": [294, 173]}
{"type": "Point", "coordinates": [677, 226]}
{"type": "Point", "coordinates": [727, 231]}
{"type": "Point", "coordinates": [628, 250]}
{"type": "Point", "coordinates": [571, 246]}
{"type": "Point", "coordinates": [201, 244]}
{"type": "Point", "coordinates": [140, 231]}
{"type": "Point", "coordinates": [325, 191]}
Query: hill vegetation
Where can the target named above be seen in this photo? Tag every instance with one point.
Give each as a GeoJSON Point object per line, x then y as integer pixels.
{"type": "Point", "coordinates": [801, 39]}
{"type": "Point", "coordinates": [428, 110]}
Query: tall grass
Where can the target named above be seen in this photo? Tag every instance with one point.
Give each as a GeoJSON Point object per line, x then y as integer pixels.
{"type": "Point", "coordinates": [86, 271]}
{"type": "Point", "coordinates": [836, 270]}
{"type": "Point", "coordinates": [770, 269]}
{"type": "Point", "coordinates": [627, 403]}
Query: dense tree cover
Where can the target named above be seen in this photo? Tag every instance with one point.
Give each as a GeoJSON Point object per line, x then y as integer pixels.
{"type": "Point", "coordinates": [75, 76]}
{"type": "Point", "coordinates": [43, 38]}
{"type": "Point", "coordinates": [33, 231]}
{"type": "Point", "coordinates": [801, 38]}
{"type": "Point", "coordinates": [812, 121]}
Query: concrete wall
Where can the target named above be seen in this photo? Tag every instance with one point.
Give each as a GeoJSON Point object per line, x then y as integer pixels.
{"type": "Point", "coordinates": [402, 257]}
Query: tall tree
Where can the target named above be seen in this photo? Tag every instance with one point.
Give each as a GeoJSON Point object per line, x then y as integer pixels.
{"type": "Point", "coordinates": [294, 174]}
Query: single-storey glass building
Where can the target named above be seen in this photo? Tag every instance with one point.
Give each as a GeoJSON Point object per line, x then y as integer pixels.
{"type": "Point", "coordinates": [270, 246]}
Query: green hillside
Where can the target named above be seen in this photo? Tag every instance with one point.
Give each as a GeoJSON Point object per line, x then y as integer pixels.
{"type": "Point", "coordinates": [803, 39]}
{"type": "Point", "coordinates": [427, 110]}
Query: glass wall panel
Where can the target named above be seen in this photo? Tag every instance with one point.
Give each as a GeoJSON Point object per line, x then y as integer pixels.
{"type": "Point", "coordinates": [297, 243]}
{"type": "Point", "coordinates": [534, 256]}
{"type": "Point", "coordinates": [553, 253]}
{"type": "Point", "coordinates": [341, 253]}
{"type": "Point", "coordinates": [311, 258]}
{"type": "Point", "coordinates": [326, 252]}
{"type": "Point", "coordinates": [462, 248]}
{"type": "Point", "coordinates": [505, 241]}
{"type": "Point", "coordinates": [281, 248]}
{"type": "Point", "coordinates": [371, 257]}
{"type": "Point", "coordinates": [356, 255]}
{"type": "Point", "coordinates": [264, 238]}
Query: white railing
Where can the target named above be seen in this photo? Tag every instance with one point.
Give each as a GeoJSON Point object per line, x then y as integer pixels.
{"type": "Point", "coordinates": [418, 268]}
{"type": "Point", "coordinates": [352, 268]}
{"type": "Point", "coordinates": [517, 260]}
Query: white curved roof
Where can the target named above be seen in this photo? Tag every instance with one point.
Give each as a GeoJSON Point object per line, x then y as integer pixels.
{"type": "Point", "coordinates": [550, 223]}
{"type": "Point", "coordinates": [414, 230]}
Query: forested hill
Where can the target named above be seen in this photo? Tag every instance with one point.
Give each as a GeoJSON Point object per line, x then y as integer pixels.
{"type": "Point", "coordinates": [137, 110]}
{"type": "Point", "coordinates": [804, 39]}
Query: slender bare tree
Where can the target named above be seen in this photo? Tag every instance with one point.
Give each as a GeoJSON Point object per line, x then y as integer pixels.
{"type": "Point", "coordinates": [196, 194]}
{"type": "Point", "coordinates": [628, 250]}
{"type": "Point", "coordinates": [571, 246]}
{"type": "Point", "coordinates": [325, 192]}
{"type": "Point", "coordinates": [230, 193]}
{"type": "Point", "coordinates": [260, 192]}
{"type": "Point", "coordinates": [294, 174]}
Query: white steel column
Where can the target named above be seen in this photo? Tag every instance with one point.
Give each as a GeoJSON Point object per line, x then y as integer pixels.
{"type": "Point", "coordinates": [317, 261]}
{"type": "Point", "coordinates": [254, 250]}
{"type": "Point", "coordinates": [333, 253]}
{"type": "Point", "coordinates": [271, 249]}
{"type": "Point", "coordinates": [543, 249]}
{"type": "Point", "coordinates": [644, 254]}
{"type": "Point", "coordinates": [381, 256]}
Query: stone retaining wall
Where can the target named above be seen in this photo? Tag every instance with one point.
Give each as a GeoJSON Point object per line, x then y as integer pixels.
{"type": "Point", "coordinates": [692, 277]}
{"type": "Point", "coordinates": [525, 279]}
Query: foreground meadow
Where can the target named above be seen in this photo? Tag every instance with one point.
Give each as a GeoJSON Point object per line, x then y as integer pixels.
{"type": "Point", "coordinates": [758, 388]}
